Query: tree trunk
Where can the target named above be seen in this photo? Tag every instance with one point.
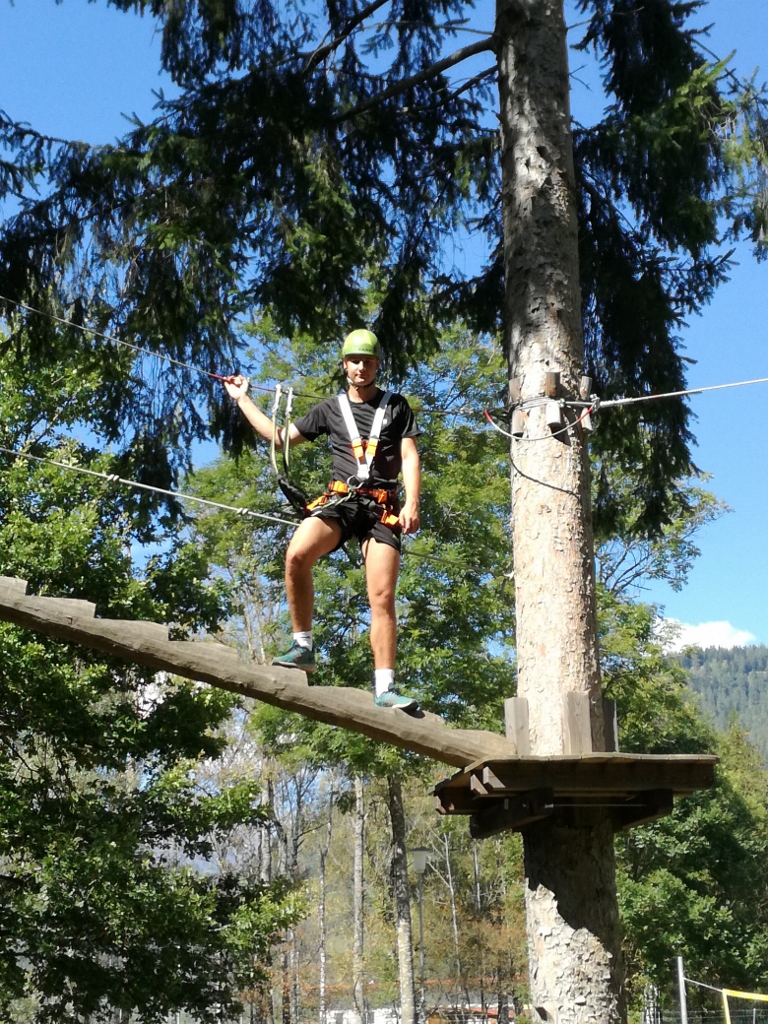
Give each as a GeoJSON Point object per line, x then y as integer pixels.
{"type": "Point", "coordinates": [321, 913]}
{"type": "Point", "coordinates": [358, 904]}
{"type": "Point", "coordinates": [402, 901]}
{"type": "Point", "coordinates": [572, 915]}
{"type": "Point", "coordinates": [479, 910]}
{"type": "Point", "coordinates": [461, 981]}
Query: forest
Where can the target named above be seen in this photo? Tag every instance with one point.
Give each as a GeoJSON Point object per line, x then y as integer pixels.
{"type": "Point", "coordinates": [169, 852]}
{"type": "Point", "coordinates": [731, 683]}
{"type": "Point", "coordinates": [260, 850]}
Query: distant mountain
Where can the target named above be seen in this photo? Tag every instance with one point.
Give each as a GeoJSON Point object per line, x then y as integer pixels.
{"type": "Point", "coordinates": [732, 680]}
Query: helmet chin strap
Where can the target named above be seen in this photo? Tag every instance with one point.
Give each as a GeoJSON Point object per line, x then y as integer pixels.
{"type": "Point", "coordinates": [352, 383]}
{"type": "Point", "coordinates": [361, 387]}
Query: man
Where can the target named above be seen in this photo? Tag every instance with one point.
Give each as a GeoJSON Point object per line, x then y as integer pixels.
{"type": "Point", "coordinates": [373, 439]}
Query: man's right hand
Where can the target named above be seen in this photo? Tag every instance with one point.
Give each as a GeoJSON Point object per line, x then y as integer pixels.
{"type": "Point", "coordinates": [237, 386]}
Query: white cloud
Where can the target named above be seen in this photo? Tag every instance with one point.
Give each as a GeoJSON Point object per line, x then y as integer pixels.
{"type": "Point", "coordinates": [677, 635]}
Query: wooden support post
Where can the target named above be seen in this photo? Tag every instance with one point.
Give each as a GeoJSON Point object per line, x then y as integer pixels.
{"type": "Point", "coordinates": [552, 384]}
{"type": "Point", "coordinates": [644, 807]}
{"type": "Point", "coordinates": [512, 813]}
{"type": "Point", "coordinates": [516, 725]}
{"type": "Point", "coordinates": [554, 416]}
{"type": "Point", "coordinates": [577, 726]}
{"type": "Point", "coordinates": [519, 423]}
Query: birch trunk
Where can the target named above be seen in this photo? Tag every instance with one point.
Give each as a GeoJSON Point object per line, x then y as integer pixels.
{"type": "Point", "coordinates": [479, 910]}
{"type": "Point", "coordinates": [572, 916]}
{"type": "Point", "coordinates": [402, 902]}
{"type": "Point", "coordinates": [460, 979]}
{"type": "Point", "coordinates": [321, 909]}
{"type": "Point", "coordinates": [358, 910]}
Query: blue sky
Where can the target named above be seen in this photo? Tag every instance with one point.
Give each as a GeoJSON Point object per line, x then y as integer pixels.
{"type": "Point", "coordinates": [74, 69]}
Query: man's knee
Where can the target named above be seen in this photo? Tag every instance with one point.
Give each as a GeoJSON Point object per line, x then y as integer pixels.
{"type": "Point", "coordinates": [381, 593]}
{"type": "Point", "coordinates": [310, 543]}
{"type": "Point", "coordinates": [382, 599]}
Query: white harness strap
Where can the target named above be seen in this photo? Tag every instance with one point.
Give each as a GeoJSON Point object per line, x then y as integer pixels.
{"type": "Point", "coordinates": [364, 456]}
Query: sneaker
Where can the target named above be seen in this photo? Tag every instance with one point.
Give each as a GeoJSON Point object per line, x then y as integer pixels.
{"type": "Point", "coordinates": [297, 657]}
{"type": "Point", "coordinates": [393, 699]}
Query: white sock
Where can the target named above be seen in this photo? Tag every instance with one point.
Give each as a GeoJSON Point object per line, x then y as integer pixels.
{"type": "Point", "coordinates": [383, 679]}
{"type": "Point", "coordinates": [304, 638]}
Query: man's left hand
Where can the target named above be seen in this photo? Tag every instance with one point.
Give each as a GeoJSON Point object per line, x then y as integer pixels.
{"type": "Point", "coordinates": [409, 518]}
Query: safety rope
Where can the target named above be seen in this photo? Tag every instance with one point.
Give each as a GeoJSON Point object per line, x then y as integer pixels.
{"type": "Point", "coordinates": [608, 403]}
{"type": "Point", "coordinates": [113, 478]}
{"type": "Point", "coordinates": [133, 348]}
{"type": "Point", "coordinates": [594, 403]}
{"type": "Point", "coordinates": [543, 437]}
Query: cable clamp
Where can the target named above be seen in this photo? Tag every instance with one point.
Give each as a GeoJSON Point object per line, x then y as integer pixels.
{"type": "Point", "coordinates": [276, 402]}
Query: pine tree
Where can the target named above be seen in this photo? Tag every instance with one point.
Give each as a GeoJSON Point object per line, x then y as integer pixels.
{"type": "Point", "coordinates": [290, 176]}
{"type": "Point", "coordinates": [111, 896]}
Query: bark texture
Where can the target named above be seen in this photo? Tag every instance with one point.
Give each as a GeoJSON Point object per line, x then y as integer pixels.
{"type": "Point", "coordinates": [553, 549]}
{"type": "Point", "coordinates": [358, 961]}
{"type": "Point", "coordinates": [572, 924]}
{"type": "Point", "coordinates": [321, 909]}
{"type": "Point", "coordinates": [402, 901]}
{"type": "Point", "coordinates": [572, 915]}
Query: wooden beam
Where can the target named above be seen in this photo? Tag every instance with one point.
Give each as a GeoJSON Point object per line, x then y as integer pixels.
{"type": "Point", "coordinates": [147, 643]}
{"type": "Point", "coordinates": [516, 725]}
{"type": "Point", "coordinates": [644, 808]}
{"type": "Point", "coordinates": [633, 787]}
{"type": "Point", "coordinates": [512, 813]}
{"type": "Point", "coordinates": [604, 773]}
{"type": "Point", "coordinates": [577, 725]}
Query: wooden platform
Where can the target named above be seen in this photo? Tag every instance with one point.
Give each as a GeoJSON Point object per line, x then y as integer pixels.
{"type": "Point", "coordinates": [502, 794]}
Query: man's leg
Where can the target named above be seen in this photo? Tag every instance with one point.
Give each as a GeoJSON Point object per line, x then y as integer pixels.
{"type": "Point", "coordinates": [382, 565]}
{"type": "Point", "coordinates": [313, 538]}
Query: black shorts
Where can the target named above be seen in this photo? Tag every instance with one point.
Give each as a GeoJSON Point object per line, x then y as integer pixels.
{"type": "Point", "coordinates": [360, 517]}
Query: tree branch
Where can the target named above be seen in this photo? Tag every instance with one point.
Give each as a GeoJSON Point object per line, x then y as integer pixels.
{"type": "Point", "coordinates": [322, 51]}
{"type": "Point", "coordinates": [24, 131]}
{"type": "Point", "coordinates": [435, 69]}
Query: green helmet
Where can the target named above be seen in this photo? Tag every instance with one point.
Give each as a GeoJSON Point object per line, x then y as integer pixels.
{"type": "Point", "coordinates": [361, 343]}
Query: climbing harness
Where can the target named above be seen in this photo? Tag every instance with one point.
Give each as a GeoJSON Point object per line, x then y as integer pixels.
{"type": "Point", "coordinates": [364, 453]}
{"type": "Point", "coordinates": [294, 494]}
{"type": "Point", "coordinates": [337, 491]}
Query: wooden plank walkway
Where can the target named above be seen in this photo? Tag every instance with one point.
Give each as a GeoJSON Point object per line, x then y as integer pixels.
{"type": "Point", "coordinates": [147, 643]}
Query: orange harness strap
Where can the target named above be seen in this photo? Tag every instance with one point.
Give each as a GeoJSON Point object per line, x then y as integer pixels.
{"type": "Point", "coordinates": [380, 496]}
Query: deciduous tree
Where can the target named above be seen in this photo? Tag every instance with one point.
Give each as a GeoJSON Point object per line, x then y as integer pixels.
{"type": "Point", "coordinates": [110, 894]}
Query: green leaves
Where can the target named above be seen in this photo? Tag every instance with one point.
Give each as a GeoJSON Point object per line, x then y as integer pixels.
{"type": "Point", "coordinates": [691, 884]}
{"type": "Point", "coordinates": [112, 895]}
